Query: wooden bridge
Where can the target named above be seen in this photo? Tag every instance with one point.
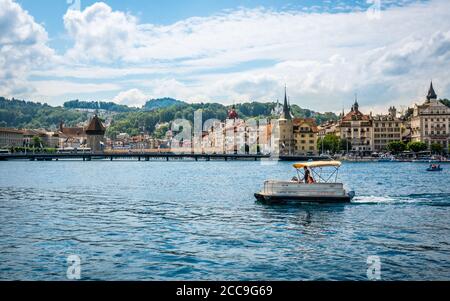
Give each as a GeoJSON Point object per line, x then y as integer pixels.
{"type": "Point", "coordinates": [150, 156]}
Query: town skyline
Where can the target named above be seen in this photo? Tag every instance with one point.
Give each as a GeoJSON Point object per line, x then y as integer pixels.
{"type": "Point", "coordinates": [197, 55]}
{"type": "Point", "coordinates": [400, 108]}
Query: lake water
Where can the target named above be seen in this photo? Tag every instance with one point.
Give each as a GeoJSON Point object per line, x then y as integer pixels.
{"type": "Point", "coordinates": [187, 220]}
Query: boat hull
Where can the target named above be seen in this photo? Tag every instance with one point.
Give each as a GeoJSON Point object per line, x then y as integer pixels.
{"type": "Point", "coordinates": [283, 199]}
{"type": "Point", "coordinates": [434, 169]}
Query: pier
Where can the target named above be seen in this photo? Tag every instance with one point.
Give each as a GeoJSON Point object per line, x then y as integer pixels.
{"type": "Point", "coordinates": [151, 156]}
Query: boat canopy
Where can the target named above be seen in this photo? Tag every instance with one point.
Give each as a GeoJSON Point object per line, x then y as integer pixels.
{"type": "Point", "coordinates": [314, 164]}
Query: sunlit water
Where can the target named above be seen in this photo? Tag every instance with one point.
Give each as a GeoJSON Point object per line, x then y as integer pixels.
{"type": "Point", "coordinates": [199, 221]}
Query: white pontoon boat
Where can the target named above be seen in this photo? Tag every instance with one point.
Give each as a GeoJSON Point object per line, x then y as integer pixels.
{"type": "Point", "coordinates": [321, 188]}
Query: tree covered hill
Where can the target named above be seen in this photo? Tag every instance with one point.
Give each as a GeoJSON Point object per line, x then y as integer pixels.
{"type": "Point", "coordinates": [445, 101]}
{"type": "Point", "coordinates": [25, 114]}
{"type": "Point", "coordinates": [31, 115]}
{"type": "Point", "coordinates": [97, 105]}
{"type": "Point", "coordinates": [145, 121]}
{"type": "Point", "coordinates": [160, 103]}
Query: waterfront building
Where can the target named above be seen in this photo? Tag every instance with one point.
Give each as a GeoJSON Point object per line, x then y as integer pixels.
{"type": "Point", "coordinates": [328, 128]}
{"type": "Point", "coordinates": [142, 142]}
{"type": "Point", "coordinates": [356, 128]}
{"type": "Point", "coordinates": [386, 128]}
{"type": "Point", "coordinates": [305, 136]}
{"type": "Point", "coordinates": [216, 138]}
{"type": "Point", "coordinates": [91, 136]}
{"type": "Point", "coordinates": [74, 137]}
{"type": "Point", "coordinates": [233, 130]}
{"type": "Point", "coordinates": [10, 137]}
{"type": "Point", "coordinates": [430, 121]}
{"type": "Point", "coordinates": [264, 142]}
{"type": "Point", "coordinates": [48, 139]}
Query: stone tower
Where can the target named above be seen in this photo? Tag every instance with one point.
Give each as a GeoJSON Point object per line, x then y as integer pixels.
{"type": "Point", "coordinates": [95, 133]}
{"type": "Point", "coordinates": [286, 140]}
{"type": "Point", "coordinates": [393, 111]}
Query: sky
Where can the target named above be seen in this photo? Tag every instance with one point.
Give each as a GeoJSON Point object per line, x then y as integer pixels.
{"type": "Point", "coordinates": [386, 52]}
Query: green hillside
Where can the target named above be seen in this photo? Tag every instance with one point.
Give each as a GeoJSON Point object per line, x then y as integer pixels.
{"type": "Point", "coordinates": [25, 114]}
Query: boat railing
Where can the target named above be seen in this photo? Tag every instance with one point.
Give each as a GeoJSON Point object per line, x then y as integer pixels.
{"type": "Point", "coordinates": [271, 186]}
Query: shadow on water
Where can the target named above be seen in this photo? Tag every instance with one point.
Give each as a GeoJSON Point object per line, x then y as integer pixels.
{"type": "Point", "coordinates": [304, 215]}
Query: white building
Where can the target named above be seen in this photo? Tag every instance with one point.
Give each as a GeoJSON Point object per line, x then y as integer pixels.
{"type": "Point", "coordinates": [430, 121]}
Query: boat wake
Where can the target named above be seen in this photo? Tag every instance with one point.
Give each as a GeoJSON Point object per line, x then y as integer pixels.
{"type": "Point", "coordinates": [430, 199]}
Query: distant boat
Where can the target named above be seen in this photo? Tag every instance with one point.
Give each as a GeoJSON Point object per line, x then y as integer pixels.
{"type": "Point", "coordinates": [324, 189]}
{"type": "Point", "coordinates": [434, 168]}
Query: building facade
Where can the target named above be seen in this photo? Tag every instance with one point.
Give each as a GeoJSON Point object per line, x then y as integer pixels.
{"type": "Point", "coordinates": [430, 121]}
{"type": "Point", "coordinates": [10, 137]}
{"type": "Point", "coordinates": [92, 136]}
{"type": "Point", "coordinates": [305, 136]}
{"type": "Point", "coordinates": [357, 129]}
{"type": "Point", "coordinates": [386, 128]}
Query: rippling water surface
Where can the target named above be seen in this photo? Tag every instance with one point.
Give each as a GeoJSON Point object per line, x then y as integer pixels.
{"type": "Point", "coordinates": [199, 221]}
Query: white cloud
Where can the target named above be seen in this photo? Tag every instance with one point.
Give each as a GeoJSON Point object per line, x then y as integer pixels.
{"type": "Point", "coordinates": [100, 33]}
{"type": "Point", "coordinates": [133, 98]}
{"type": "Point", "coordinates": [324, 58]}
{"type": "Point", "coordinates": [22, 47]}
{"type": "Point", "coordinates": [52, 88]}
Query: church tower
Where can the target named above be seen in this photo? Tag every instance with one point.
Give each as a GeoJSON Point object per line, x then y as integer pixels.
{"type": "Point", "coordinates": [431, 94]}
{"type": "Point", "coordinates": [286, 131]}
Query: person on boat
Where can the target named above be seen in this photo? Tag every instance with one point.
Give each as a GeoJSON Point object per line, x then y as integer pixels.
{"type": "Point", "coordinates": [308, 178]}
{"type": "Point", "coordinates": [295, 179]}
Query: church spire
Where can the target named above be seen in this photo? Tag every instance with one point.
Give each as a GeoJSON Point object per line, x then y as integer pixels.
{"type": "Point", "coordinates": [355, 106]}
{"type": "Point", "coordinates": [431, 93]}
{"type": "Point", "coordinates": [286, 111]}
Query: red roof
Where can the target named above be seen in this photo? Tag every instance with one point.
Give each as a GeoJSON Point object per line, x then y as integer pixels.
{"type": "Point", "coordinates": [95, 127]}
{"type": "Point", "coordinates": [355, 115]}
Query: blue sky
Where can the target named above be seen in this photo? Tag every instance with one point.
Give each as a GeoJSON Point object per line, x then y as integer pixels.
{"type": "Point", "coordinates": [226, 51]}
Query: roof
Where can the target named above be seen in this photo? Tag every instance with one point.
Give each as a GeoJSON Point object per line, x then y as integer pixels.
{"type": "Point", "coordinates": [95, 127]}
{"type": "Point", "coordinates": [355, 115]}
{"type": "Point", "coordinates": [73, 131]}
{"type": "Point", "coordinates": [10, 130]}
{"type": "Point", "coordinates": [286, 114]}
{"type": "Point", "coordinates": [298, 121]}
{"type": "Point", "coordinates": [311, 122]}
{"type": "Point", "coordinates": [232, 114]}
{"type": "Point", "coordinates": [431, 94]}
{"type": "Point", "coordinates": [314, 164]}
{"type": "Point", "coordinates": [34, 133]}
